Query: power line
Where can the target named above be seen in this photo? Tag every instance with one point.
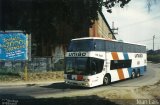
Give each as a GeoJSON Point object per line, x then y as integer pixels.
{"type": "Point", "coordinates": [147, 40]}
{"type": "Point", "coordinates": [143, 40]}
{"type": "Point", "coordinates": [141, 22]}
{"type": "Point", "coordinates": [151, 43]}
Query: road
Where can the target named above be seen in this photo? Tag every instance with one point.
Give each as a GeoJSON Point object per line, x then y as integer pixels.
{"type": "Point", "coordinates": [57, 90]}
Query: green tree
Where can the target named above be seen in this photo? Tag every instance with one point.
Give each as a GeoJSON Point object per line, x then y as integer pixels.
{"type": "Point", "coordinates": [151, 3]}
{"type": "Point", "coordinates": [109, 4]}
{"type": "Point", "coordinates": [43, 18]}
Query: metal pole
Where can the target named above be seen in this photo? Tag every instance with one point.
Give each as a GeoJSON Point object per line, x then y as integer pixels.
{"type": "Point", "coordinates": [25, 71]}
{"type": "Point", "coordinates": [153, 41]}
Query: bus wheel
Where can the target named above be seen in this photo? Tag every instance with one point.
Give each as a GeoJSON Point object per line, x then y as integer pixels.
{"type": "Point", "coordinates": [107, 80]}
{"type": "Point", "coordinates": [138, 73]}
{"type": "Point", "coordinates": [133, 75]}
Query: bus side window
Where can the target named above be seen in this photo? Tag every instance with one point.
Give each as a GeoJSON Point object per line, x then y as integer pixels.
{"type": "Point", "coordinates": [107, 46]}
{"type": "Point", "coordinates": [99, 45]}
{"type": "Point", "coordinates": [96, 65]}
{"type": "Point", "coordinates": [110, 46]}
{"type": "Point", "coordinates": [118, 47]}
{"type": "Point", "coordinates": [116, 64]}
{"type": "Point", "coordinates": [124, 47]}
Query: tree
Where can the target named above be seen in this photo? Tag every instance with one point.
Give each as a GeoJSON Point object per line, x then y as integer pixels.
{"type": "Point", "coordinates": [150, 3]}
{"type": "Point", "coordinates": [109, 4]}
{"type": "Point", "coordinates": [18, 11]}
{"type": "Point", "coordinates": [44, 18]}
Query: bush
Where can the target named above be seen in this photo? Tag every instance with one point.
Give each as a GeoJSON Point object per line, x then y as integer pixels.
{"type": "Point", "coordinates": [154, 58]}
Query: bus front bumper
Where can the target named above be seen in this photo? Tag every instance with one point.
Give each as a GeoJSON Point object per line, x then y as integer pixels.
{"type": "Point", "coordinates": [78, 83]}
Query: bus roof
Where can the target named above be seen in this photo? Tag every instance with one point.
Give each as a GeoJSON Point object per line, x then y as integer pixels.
{"type": "Point", "coordinates": [83, 38]}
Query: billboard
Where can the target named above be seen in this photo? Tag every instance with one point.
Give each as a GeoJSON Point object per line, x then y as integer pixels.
{"type": "Point", "coordinates": [13, 46]}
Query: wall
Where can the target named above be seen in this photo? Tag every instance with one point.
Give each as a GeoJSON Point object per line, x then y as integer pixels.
{"type": "Point", "coordinates": [55, 52]}
{"type": "Point", "coordinates": [101, 28]}
{"type": "Point", "coordinates": [58, 57]}
{"type": "Point", "coordinates": [42, 64]}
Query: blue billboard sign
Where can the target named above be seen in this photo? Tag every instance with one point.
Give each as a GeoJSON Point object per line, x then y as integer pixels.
{"type": "Point", "coordinates": [13, 46]}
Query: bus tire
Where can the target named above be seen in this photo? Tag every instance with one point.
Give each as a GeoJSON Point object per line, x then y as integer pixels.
{"type": "Point", "coordinates": [133, 74]}
{"type": "Point", "coordinates": [138, 73]}
{"type": "Point", "coordinates": [106, 80]}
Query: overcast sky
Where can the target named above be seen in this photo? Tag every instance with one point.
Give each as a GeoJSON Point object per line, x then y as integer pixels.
{"type": "Point", "coordinates": [135, 24]}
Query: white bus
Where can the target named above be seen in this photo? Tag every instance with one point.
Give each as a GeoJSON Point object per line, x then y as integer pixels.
{"type": "Point", "coordinates": [93, 61]}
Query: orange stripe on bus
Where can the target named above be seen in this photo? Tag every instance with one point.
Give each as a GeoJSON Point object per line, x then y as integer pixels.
{"type": "Point", "coordinates": [120, 74]}
{"type": "Point", "coordinates": [115, 56]}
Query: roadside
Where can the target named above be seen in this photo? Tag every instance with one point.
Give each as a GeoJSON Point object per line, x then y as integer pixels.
{"type": "Point", "coordinates": [132, 95]}
{"type": "Point", "coordinates": [27, 83]}
{"type": "Point", "coordinates": [129, 92]}
{"type": "Point", "coordinates": [33, 79]}
{"type": "Point", "coordinates": [142, 94]}
{"type": "Point", "coordinates": [146, 91]}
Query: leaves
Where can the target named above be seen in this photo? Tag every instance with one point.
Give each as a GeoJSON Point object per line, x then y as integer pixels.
{"type": "Point", "coordinates": [53, 21]}
{"type": "Point", "coordinates": [111, 3]}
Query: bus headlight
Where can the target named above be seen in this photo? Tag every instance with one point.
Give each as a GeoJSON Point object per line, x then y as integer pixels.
{"type": "Point", "coordinates": [87, 80]}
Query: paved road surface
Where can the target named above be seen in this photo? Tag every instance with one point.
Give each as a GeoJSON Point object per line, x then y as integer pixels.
{"type": "Point", "coordinates": [62, 90]}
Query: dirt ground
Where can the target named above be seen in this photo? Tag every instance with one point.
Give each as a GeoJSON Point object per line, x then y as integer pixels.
{"type": "Point", "coordinates": [132, 95]}
{"type": "Point", "coordinates": [143, 94]}
{"type": "Point", "coordinates": [36, 77]}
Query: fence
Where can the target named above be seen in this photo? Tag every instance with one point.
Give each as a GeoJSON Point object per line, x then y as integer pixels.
{"type": "Point", "coordinates": [36, 64]}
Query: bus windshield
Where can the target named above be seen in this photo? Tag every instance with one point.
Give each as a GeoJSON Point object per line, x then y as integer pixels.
{"type": "Point", "coordinates": [81, 45]}
{"type": "Point", "coordinates": [83, 66]}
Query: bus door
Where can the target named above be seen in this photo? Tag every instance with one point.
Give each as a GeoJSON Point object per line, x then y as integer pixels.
{"type": "Point", "coordinates": [96, 70]}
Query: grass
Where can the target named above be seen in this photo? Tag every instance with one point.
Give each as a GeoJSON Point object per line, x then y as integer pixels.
{"type": "Point", "coordinates": [43, 76]}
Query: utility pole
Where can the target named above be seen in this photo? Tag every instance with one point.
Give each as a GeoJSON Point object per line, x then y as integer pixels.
{"type": "Point", "coordinates": [153, 41]}
{"type": "Point", "coordinates": [113, 29]}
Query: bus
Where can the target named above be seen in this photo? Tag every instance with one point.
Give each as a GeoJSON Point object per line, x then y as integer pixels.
{"type": "Point", "coordinates": [94, 61]}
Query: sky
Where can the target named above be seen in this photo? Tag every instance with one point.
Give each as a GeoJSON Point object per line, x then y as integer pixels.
{"type": "Point", "coordinates": [135, 24]}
